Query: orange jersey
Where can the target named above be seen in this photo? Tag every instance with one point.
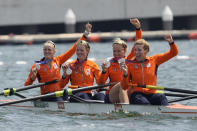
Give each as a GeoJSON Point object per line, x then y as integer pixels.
{"type": "Point", "coordinates": [113, 72]}
{"type": "Point", "coordinates": [83, 74]}
{"type": "Point", "coordinates": [146, 73]}
{"type": "Point", "coordinates": [46, 73]}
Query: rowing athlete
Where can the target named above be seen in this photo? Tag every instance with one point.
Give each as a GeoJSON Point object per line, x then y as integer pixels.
{"type": "Point", "coordinates": [143, 71]}
{"type": "Point", "coordinates": [111, 67]}
{"type": "Point", "coordinates": [82, 72]}
{"type": "Point", "coordinates": [48, 68]}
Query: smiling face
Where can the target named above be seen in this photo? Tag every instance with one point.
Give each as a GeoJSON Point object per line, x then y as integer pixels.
{"type": "Point", "coordinates": [140, 53]}
{"type": "Point", "coordinates": [119, 48]}
{"type": "Point", "coordinates": [48, 50]}
{"type": "Point", "coordinates": [82, 51]}
{"type": "Point", "coordinates": [141, 50]}
{"type": "Point", "coordinates": [118, 51]}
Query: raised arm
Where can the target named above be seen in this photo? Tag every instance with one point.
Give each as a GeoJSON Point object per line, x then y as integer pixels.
{"type": "Point", "coordinates": [64, 57]}
{"type": "Point", "coordinates": [136, 23]}
{"type": "Point", "coordinates": [161, 58]}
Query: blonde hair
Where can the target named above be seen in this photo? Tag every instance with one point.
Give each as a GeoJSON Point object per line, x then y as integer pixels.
{"type": "Point", "coordinates": [120, 42]}
{"type": "Point", "coordinates": [49, 42]}
{"type": "Point", "coordinates": [144, 43]}
{"type": "Point", "coordinates": [84, 43]}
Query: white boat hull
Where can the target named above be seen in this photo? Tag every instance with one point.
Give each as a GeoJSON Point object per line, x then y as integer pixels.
{"type": "Point", "coordinates": [101, 108]}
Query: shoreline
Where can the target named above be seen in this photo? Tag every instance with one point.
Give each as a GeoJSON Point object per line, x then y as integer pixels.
{"type": "Point", "coordinates": [30, 39]}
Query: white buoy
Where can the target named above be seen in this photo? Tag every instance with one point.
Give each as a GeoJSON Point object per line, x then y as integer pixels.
{"type": "Point", "coordinates": [70, 21]}
{"type": "Point", "coordinates": [1, 63]}
{"type": "Point", "coordinates": [167, 18]}
{"type": "Point", "coordinates": [21, 62]}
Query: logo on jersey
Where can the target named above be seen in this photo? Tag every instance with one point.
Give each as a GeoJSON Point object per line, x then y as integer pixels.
{"type": "Point", "coordinates": [45, 69]}
{"type": "Point", "coordinates": [55, 66]}
{"type": "Point", "coordinates": [88, 72]}
{"type": "Point", "coordinates": [148, 65]}
{"type": "Point", "coordinates": [136, 66]}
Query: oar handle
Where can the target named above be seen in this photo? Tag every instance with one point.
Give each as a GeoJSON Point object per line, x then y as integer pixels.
{"type": "Point", "coordinates": [164, 88]}
{"type": "Point", "coordinates": [147, 86]}
{"type": "Point", "coordinates": [12, 91]}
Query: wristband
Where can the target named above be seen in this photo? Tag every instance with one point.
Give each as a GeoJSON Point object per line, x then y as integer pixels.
{"type": "Point", "coordinates": [138, 28]}
{"type": "Point", "coordinates": [171, 43]}
{"type": "Point", "coordinates": [85, 36]}
{"type": "Point", "coordinates": [86, 33]}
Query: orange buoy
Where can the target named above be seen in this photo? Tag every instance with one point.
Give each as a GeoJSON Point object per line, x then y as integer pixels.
{"type": "Point", "coordinates": [130, 40]}
{"type": "Point", "coordinates": [94, 38]}
{"type": "Point", "coordinates": [29, 42]}
{"type": "Point", "coordinates": [192, 35]}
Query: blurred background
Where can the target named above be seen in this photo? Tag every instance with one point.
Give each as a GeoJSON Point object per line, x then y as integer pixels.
{"type": "Point", "coordinates": [69, 16]}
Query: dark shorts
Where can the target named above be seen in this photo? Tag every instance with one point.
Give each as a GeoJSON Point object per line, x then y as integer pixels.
{"type": "Point", "coordinates": [85, 96]}
{"type": "Point", "coordinates": [53, 99]}
{"type": "Point", "coordinates": [88, 96]}
{"type": "Point", "coordinates": [148, 99]}
{"type": "Point", "coordinates": [107, 98]}
{"type": "Point", "coordinates": [98, 96]}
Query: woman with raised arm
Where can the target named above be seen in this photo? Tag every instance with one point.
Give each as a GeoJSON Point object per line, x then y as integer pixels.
{"type": "Point", "coordinates": [143, 71]}
{"type": "Point", "coordinates": [82, 72]}
{"type": "Point", "coordinates": [111, 67]}
{"type": "Point", "coordinates": [48, 68]}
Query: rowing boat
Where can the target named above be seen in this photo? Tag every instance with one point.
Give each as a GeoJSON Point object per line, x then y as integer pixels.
{"type": "Point", "coordinates": [176, 110]}
{"type": "Point", "coordinates": [98, 107]}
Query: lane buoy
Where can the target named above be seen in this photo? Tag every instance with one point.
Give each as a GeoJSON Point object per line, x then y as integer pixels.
{"type": "Point", "coordinates": [192, 35]}
{"type": "Point", "coordinates": [94, 38]}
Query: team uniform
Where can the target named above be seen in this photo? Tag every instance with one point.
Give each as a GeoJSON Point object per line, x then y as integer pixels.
{"type": "Point", "coordinates": [83, 75]}
{"type": "Point", "coordinates": [113, 72]}
{"type": "Point", "coordinates": [146, 74]}
{"type": "Point", "coordinates": [46, 73]}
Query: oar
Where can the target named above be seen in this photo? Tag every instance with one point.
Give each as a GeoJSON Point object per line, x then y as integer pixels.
{"type": "Point", "coordinates": [61, 93]}
{"type": "Point", "coordinates": [177, 94]}
{"type": "Point", "coordinates": [164, 88]}
{"type": "Point", "coordinates": [182, 99]}
{"type": "Point", "coordinates": [12, 91]}
{"type": "Point", "coordinates": [172, 94]}
{"type": "Point", "coordinates": [91, 87]}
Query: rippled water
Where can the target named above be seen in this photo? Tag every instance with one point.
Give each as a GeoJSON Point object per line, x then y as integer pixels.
{"type": "Point", "coordinates": [15, 63]}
